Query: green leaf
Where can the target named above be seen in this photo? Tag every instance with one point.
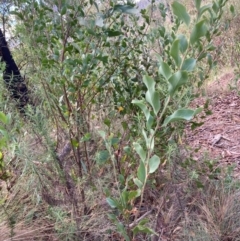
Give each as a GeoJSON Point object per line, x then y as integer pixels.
{"type": "Point", "coordinates": [232, 10]}
{"type": "Point", "coordinates": [189, 64]}
{"type": "Point", "coordinates": [143, 229]}
{"type": "Point", "coordinates": [111, 202]}
{"type": "Point", "coordinates": [125, 9]}
{"type": "Point", "coordinates": [124, 125]}
{"type": "Point", "coordinates": [102, 157]}
{"type": "Point", "coordinates": [142, 105]}
{"type": "Point", "coordinates": [199, 30]}
{"type": "Point", "coordinates": [141, 173]}
{"type": "Point", "coordinates": [175, 52]}
{"type": "Point", "coordinates": [3, 141]}
{"type": "Point", "coordinates": [177, 80]}
{"type": "Point", "coordinates": [113, 33]}
{"type": "Point", "coordinates": [197, 4]}
{"type": "Point", "coordinates": [3, 118]}
{"type": "Point", "coordinates": [165, 70]}
{"type": "Point", "coordinates": [127, 149]}
{"type": "Point", "coordinates": [114, 140]}
{"type": "Point", "coordinates": [180, 11]}
{"type": "Point", "coordinates": [122, 230]}
{"type": "Point", "coordinates": [199, 184]}
{"type": "Point", "coordinates": [140, 151]}
{"type": "Point", "coordinates": [215, 7]}
{"type": "Point", "coordinates": [152, 96]}
{"type": "Point", "coordinates": [133, 194]}
{"type": "Point", "coordinates": [154, 163]}
{"type": "Point", "coordinates": [124, 197]}
{"type": "Point", "coordinates": [181, 114]}
{"type": "Point", "coordinates": [138, 183]}
{"type": "Point", "coordinates": [183, 43]}
{"type": "Point", "coordinates": [210, 60]}
{"type": "Point", "coordinates": [210, 47]}
{"type": "Point", "coordinates": [20, 15]}
{"type": "Point", "coordinates": [204, 9]}
{"type": "Point", "coordinates": [63, 10]}
{"type": "Point", "coordinates": [149, 141]}
{"type": "Point", "coordinates": [107, 122]}
{"type": "Point", "coordinates": [86, 137]}
{"type": "Point", "coordinates": [112, 217]}
{"type": "Point", "coordinates": [102, 58]}
{"type": "Point", "coordinates": [76, 46]}
{"type": "Point", "coordinates": [144, 221]}
{"type": "Point", "coordinates": [102, 134]}
{"type": "Point", "coordinates": [201, 56]}
{"type": "Point", "coordinates": [75, 143]}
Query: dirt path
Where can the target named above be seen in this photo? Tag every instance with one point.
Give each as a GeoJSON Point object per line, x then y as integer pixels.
{"type": "Point", "coordinates": [219, 135]}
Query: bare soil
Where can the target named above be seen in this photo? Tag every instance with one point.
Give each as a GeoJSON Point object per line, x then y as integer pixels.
{"type": "Point", "coordinates": [219, 135]}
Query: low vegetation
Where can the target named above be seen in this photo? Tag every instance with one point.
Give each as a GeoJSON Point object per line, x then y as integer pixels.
{"type": "Point", "coordinates": [99, 152]}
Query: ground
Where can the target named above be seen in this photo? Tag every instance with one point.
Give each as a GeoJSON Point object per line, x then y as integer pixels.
{"type": "Point", "coordinates": [219, 135]}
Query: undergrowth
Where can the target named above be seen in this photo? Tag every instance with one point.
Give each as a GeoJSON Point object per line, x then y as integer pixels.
{"type": "Point", "coordinates": [97, 155]}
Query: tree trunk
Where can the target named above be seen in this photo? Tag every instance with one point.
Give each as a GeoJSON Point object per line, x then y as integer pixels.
{"type": "Point", "coordinates": [12, 77]}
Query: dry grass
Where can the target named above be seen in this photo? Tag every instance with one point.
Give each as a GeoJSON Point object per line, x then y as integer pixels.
{"type": "Point", "coordinates": [218, 215]}
{"type": "Point", "coordinates": [28, 231]}
{"type": "Point", "coordinates": [192, 213]}
{"type": "Point", "coordinates": [182, 211]}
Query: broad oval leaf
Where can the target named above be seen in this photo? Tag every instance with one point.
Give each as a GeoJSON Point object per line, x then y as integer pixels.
{"type": "Point", "coordinates": [183, 43]}
{"type": "Point", "coordinates": [197, 4]}
{"type": "Point", "coordinates": [149, 82]}
{"type": "Point", "coordinates": [140, 151]}
{"type": "Point", "coordinates": [152, 96]}
{"type": "Point", "coordinates": [177, 80]}
{"type": "Point", "coordinates": [150, 143]}
{"type": "Point", "coordinates": [142, 105]}
{"type": "Point", "coordinates": [141, 173]}
{"type": "Point", "coordinates": [138, 183]}
{"type": "Point", "coordinates": [181, 114]}
{"type": "Point", "coordinates": [180, 11]}
{"type": "Point", "coordinates": [112, 203]}
{"type": "Point", "coordinates": [189, 64]}
{"type": "Point", "coordinates": [200, 29]}
{"type": "Point", "coordinates": [63, 10]}
{"type": "Point", "coordinates": [147, 140]}
{"type": "Point", "coordinates": [154, 163]}
{"type": "Point", "coordinates": [154, 100]}
{"type": "Point", "coordinates": [215, 7]}
{"type": "Point", "coordinates": [165, 70]}
{"type": "Point", "coordinates": [232, 9]}
{"type": "Point", "coordinates": [175, 52]}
